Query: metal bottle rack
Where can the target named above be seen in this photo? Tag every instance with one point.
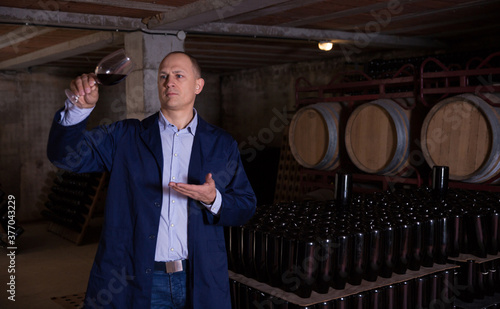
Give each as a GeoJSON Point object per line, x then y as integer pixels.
{"type": "Point", "coordinates": [448, 80]}
{"type": "Point", "coordinates": [426, 87]}
{"type": "Point", "coordinates": [357, 86]}
{"type": "Point", "coordinates": [352, 89]}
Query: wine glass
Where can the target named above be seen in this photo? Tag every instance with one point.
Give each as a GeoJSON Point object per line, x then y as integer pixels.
{"type": "Point", "coordinates": [111, 70]}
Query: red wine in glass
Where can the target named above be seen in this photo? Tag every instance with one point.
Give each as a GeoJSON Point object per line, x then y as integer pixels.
{"type": "Point", "coordinates": [111, 70]}
{"type": "Point", "coordinates": [110, 79]}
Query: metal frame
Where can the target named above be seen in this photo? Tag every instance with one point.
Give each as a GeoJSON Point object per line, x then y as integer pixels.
{"type": "Point", "coordinates": [357, 88]}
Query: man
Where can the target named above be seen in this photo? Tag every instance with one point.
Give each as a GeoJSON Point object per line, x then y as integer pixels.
{"type": "Point", "coordinates": [175, 181]}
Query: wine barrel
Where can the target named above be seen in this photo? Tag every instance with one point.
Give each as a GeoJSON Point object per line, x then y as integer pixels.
{"type": "Point", "coordinates": [313, 136]}
{"type": "Point", "coordinates": [377, 137]}
{"type": "Point", "coordinates": [463, 133]}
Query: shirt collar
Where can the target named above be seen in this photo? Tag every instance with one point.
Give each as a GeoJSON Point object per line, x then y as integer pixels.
{"type": "Point", "coordinates": [191, 127]}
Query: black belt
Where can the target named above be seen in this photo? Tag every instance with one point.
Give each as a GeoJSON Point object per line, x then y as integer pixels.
{"type": "Point", "coordinates": [172, 266]}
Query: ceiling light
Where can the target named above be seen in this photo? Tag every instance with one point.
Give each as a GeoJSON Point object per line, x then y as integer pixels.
{"type": "Point", "coordinates": [325, 45]}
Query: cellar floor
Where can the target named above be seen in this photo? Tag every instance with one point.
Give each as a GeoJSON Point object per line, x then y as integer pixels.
{"type": "Point", "coordinates": [47, 266]}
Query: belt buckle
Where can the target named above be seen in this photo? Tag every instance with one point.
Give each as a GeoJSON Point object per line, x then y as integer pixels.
{"type": "Point", "coordinates": [173, 266]}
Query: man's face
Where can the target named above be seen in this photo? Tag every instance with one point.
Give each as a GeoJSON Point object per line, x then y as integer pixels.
{"type": "Point", "coordinates": [178, 83]}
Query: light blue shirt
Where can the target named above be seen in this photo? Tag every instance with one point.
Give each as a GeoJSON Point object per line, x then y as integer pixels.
{"type": "Point", "coordinates": [176, 146]}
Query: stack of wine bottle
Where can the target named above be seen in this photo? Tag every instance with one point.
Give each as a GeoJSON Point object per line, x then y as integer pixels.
{"type": "Point", "coordinates": [436, 290]}
{"type": "Point", "coordinates": [70, 197]}
{"type": "Point", "coordinates": [386, 68]}
{"type": "Point", "coordinates": [308, 246]}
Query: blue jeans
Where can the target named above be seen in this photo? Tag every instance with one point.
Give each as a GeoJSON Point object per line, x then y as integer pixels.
{"type": "Point", "coordinates": [169, 290]}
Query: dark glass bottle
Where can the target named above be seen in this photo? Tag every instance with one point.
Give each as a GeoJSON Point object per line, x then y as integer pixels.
{"type": "Point", "coordinates": [373, 264]}
{"type": "Point", "coordinates": [387, 242]}
{"type": "Point", "coordinates": [306, 269]}
{"type": "Point", "coordinates": [402, 248]}
{"type": "Point", "coordinates": [359, 252]}
{"type": "Point", "coordinates": [341, 259]}
{"type": "Point", "coordinates": [421, 292]}
{"type": "Point", "coordinates": [272, 256]}
{"type": "Point", "coordinates": [260, 249]}
{"type": "Point", "coordinates": [428, 240]}
{"type": "Point", "coordinates": [415, 260]}
{"type": "Point", "coordinates": [324, 262]}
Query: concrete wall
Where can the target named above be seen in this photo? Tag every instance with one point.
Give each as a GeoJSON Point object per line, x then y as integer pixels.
{"type": "Point", "coordinates": [28, 102]}
{"type": "Point", "coordinates": [27, 105]}
{"type": "Point", "coordinates": [208, 103]}
{"type": "Point", "coordinates": [253, 99]}
{"type": "Point", "coordinates": [10, 126]}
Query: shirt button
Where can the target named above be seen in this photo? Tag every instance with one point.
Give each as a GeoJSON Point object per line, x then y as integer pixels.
{"type": "Point", "coordinates": [173, 201]}
{"type": "Point", "coordinates": [172, 225]}
{"type": "Point", "coordinates": [175, 155]}
{"type": "Point", "coordinates": [173, 177]}
{"type": "Point", "coordinates": [176, 134]}
{"type": "Point", "coordinates": [172, 249]}
{"type": "Point", "coordinates": [157, 204]}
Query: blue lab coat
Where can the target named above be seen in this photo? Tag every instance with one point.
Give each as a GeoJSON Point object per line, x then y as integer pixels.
{"type": "Point", "coordinates": [121, 276]}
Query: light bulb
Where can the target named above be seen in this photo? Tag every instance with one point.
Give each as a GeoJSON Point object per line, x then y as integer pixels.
{"type": "Point", "coordinates": [325, 45]}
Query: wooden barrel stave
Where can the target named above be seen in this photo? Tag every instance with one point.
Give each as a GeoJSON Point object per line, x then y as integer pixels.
{"type": "Point", "coordinates": [463, 133]}
{"type": "Point", "coordinates": [313, 136]}
{"type": "Point", "coordinates": [377, 137]}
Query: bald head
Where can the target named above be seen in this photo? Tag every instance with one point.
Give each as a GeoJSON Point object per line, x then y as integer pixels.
{"type": "Point", "coordinates": [194, 62]}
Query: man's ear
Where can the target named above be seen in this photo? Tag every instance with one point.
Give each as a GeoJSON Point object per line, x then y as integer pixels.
{"type": "Point", "coordinates": [200, 82]}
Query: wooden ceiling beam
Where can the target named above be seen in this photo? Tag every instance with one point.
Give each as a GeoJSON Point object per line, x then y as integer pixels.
{"type": "Point", "coordinates": [205, 11]}
{"type": "Point", "coordinates": [358, 39]}
{"type": "Point", "coordinates": [63, 50]}
{"type": "Point", "coordinates": [127, 4]}
{"type": "Point", "coordinates": [203, 55]}
{"type": "Point", "coordinates": [275, 9]}
{"type": "Point", "coordinates": [230, 47]}
{"type": "Point", "coordinates": [22, 34]}
{"type": "Point", "coordinates": [432, 12]}
{"type": "Point", "coordinates": [69, 20]}
{"type": "Point", "coordinates": [471, 19]}
{"type": "Point", "coordinates": [342, 14]}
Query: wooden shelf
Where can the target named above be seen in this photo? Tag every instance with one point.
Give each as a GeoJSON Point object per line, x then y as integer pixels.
{"type": "Point", "coordinates": [335, 294]}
